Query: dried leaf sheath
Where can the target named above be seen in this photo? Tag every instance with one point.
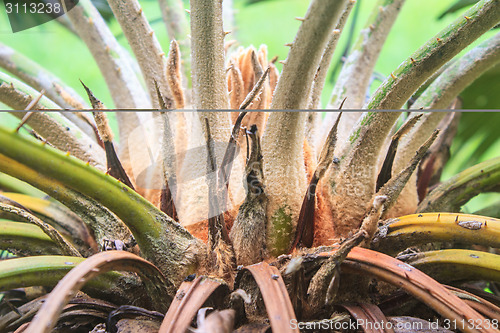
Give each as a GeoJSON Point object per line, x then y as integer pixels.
{"type": "Point", "coordinates": [248, 233]}
{"type": "Point", "coordinates": [304, 235]}
{"type": "Point", "coordinates": [174, 76]}
{"type": "Point", "coordinates": [221, 253]}
{"type": "Point", "coordinates": [114, 166]}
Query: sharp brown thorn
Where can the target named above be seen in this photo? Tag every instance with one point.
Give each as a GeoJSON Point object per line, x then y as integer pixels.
{"type": "Point", "coordinates": [301, 19]}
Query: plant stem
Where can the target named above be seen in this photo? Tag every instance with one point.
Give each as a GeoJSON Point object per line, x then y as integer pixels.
{"type": "Point", "coordinates": [39, 78]}
{"type": "Point", "coordinates": [284, 176]}
{"type": "Point", "coordinates": [408, 201]}
{"type": "Point", "coordinates": [145, 46]}
{"type": "Point", "coordinates": [417, 229]}
{"type": "Point", "coordinates": [104, 224]}
{"type": "Point", "coordinates": [66, 248]}
{"type": "Point", "coordinates": [17, 95]}
{"type": "Point", "coordinates": [453, 193]}
{"type": "Point", "coordinates": [326, 58]}
{"type": "Point", "coordinates": [161, 240]}
{"type": "Point", "coordinates": [413, 72]}
{"type": "Point", "coordinates": [354, 79]}
{"type": "Point", "coordinates": [207, 54]}
{"type": "Point", "coordinates": [440, 94]}
{"type": "Point", "coordinates": [351, 188]}
{"type": "Point", "coordinates": [26, 239]}
{"type": "Point", "coordinates": [293, 89]}
{"type": "Point", "coordinates": [49, 270]}
{"type": "Point", "coordinates": [125, 88]}
{"type": "Point", "coordinates": [60, 131]}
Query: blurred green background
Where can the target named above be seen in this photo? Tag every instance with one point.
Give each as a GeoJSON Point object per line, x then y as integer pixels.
{"type": "Point", "coordinates": [272, 22]}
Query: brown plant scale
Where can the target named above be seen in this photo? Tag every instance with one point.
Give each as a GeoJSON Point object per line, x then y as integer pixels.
{"type": "Point", "coordinates": [244, 220]}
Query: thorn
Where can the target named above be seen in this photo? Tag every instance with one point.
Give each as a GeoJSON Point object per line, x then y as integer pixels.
{"type": "Point", "coordinates": [336, 31]}
{"type": "Point", "coordinates": [485, 224]}
{"type": "Point", "coordinates": [438, 40]}
{"type": "Point", "coordinates": [35, 101]}
{"type": "Point", "coordinates": [288, 44]}
{"type": "Point", "coordinates": [151, 33]}
{"type": "Point", "coordinates": [108, 171]}
{"type": "Point", "coordinates": [301, 19]}
{"type": "Point", "coordinates": [456, 220]}
{"type": "Point", "coordinates": [68, 153]}
{"type": "Point", "coordinates": [412, 60]}
{"type": "Point", "coordinates": [227, 33]}
{"type": "Point", "coordinates": [274, 59]}
{"type": "Point", "coordinates": [161, 54]}
{"type": "Point", "coordinates": [282, 62]}
{"type": "Point", "coordinates": [88, 162]}
{"type": "Point", "coordinates": [372, 27]}
{"type": "Point", "coordinates": [188, 11]}
{"type": "Point", "coordinates": [381, 9]}
{"type": "Point", "coordinates": [393, 76]}
{"type": "Point", "coordinates": [107, 49]}
{"type": "Point", "coordinates": [467, 17]}
{"type": "Point", "coordinates": [91, 21]}
{"type": "Point", "coordinates": [139, 12]}
{"type": "Point", "coordinates": [24, 120]}
{"type": "Point", "coordinates": [119, 69]}
{"type": "Point", "coordinates": [439, 215]}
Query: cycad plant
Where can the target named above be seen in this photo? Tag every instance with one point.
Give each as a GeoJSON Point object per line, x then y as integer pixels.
{"type": "Point", "coordinates": [245, 220]}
